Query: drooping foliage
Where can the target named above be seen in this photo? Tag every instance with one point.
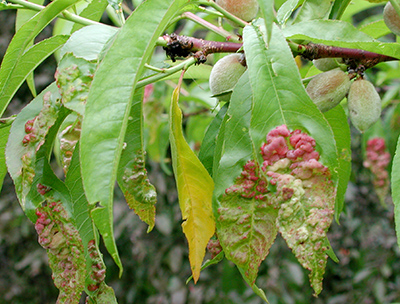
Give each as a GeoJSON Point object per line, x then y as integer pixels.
{"type": "Point", "coordinates": [268, 158]}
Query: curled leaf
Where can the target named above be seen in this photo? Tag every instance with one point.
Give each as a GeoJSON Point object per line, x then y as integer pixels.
{"type": "Point", "coordinates": [59, 236]}
{"type": "Point", "coordinates": [73, 77]}
{"type": "Point", "coordinates": [291, 192]}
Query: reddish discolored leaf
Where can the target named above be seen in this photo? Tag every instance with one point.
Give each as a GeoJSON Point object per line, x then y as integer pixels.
{"type": "Point", "coordinates": [59, 236]}
{"type": "Point", "coordinates": [291, 192]}
{"type": "Point", "coordinates": [69, 137]}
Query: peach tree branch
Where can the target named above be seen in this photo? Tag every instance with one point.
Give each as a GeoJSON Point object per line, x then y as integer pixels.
{"type": "Point", "coordinates": [184, 46]}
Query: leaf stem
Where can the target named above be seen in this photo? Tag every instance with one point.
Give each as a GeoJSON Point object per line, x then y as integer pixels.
{"type": "Point", "coordinates": [64, 15]}
{"type": "Point", "coordinates": [166, 72]}
{"type": "Point", "coordinates": [218, 30]}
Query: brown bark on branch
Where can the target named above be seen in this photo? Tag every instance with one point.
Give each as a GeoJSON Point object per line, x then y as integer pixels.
{"type": "Point", "coordinates": [355, 57]}
{"type": "Point", "coordinates": [183, 46]}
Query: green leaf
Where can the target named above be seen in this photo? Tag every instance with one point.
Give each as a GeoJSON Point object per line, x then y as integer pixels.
{"type": "Point", "coordinates": [23, 15]}
{"type": "Point", "coordinates": [4, 133]}
{"type": "Point", "coordinates": [395, 186]}
{"type": "Point", "coordinates": [338, 121]}
{"type": "Point", "coordinates": [286, 10]}
{"type": "Point", "coordinates": [254, 287]}
{"type": "Point", "coordinates": [89, 41]}
{"type": "Point", "coordinates": [268, 14]}
{"type": "Point", "coordinates": [206, 153]}
{"type": "Point", "coordinates": [132, 178]}
{"type": "Point", "coordinates": [17, 48]}
{"type": "Point", "coordinates": [195, 188]}
{"type": "Point", "coordinates": [108, 107]}
{"type": "Point", "coordinates": [339, 8]}
{"type": "Point", "coordinates": [29, 61]}
{"type": "Point", "coordinates": [346, 35]}
{"type": "Point", "coordinates": [93, 11]}
{"type": "Point", "coordinates": [391, 125]}
{"type": "Point", "coordinates": [218, 258]}
{"type": "Point", "coordinates": [234, 147]}
{"type": "Point", "coordinates": [314, 9]}
{"type": "Point", "coordinates": [375, 29]}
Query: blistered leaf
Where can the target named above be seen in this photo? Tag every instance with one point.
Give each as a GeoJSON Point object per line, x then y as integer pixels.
{"type": "Point", "coordinates": [195, 188]}
{"type": "Point", "coordinates": [68, 139]}
{"type": "Point", "coordinates": [73, 77]}
{"type": "Point", "coordinates": [274, 96]}
{"type": "Point", "coordinates": [95, 285]}
{"type": "Point", "coordinates": [247, 229]}
{"type": "Point", "coordinates": [59, 236]}
{"type": "Point", "coordinates": [300, 207]}
{"type": "Point", "coordinates": [132, 177]}
{"type": "Point", "coordinates": [27, 135]}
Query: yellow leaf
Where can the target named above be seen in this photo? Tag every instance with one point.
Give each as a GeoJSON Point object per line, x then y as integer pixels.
{"type": "Point", "coordinates": [195, 188]}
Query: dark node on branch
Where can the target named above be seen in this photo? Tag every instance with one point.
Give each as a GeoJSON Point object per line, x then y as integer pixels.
{"type": "Point", "coordinates": [183, 46]}
{"type": "Point", "coordinates": [200, 57]}
{"type": "Point", "coordinates": [177, 46]}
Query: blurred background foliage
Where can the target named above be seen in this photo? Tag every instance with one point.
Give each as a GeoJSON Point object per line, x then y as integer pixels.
{"type": "Point", "coordinates": [156, 265]}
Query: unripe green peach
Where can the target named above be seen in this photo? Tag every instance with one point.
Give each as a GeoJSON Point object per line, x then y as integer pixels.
{"type": "Point", "coordinates": [243, 9]}
{"type": "Point", "coordinates": [328, 89]}
{"type": "Point", "coordinates": [327, 64]}
{"type": "Point", "coordinates": [364, 104]}
{"type": "Point", "coordinates": [225, 74]}
{"type": "Point", "coordinates": [391, 18]}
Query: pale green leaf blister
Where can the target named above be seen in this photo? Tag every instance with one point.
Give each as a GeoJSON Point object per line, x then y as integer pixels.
{"type": "Point", "coordinates": [132, 177]}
